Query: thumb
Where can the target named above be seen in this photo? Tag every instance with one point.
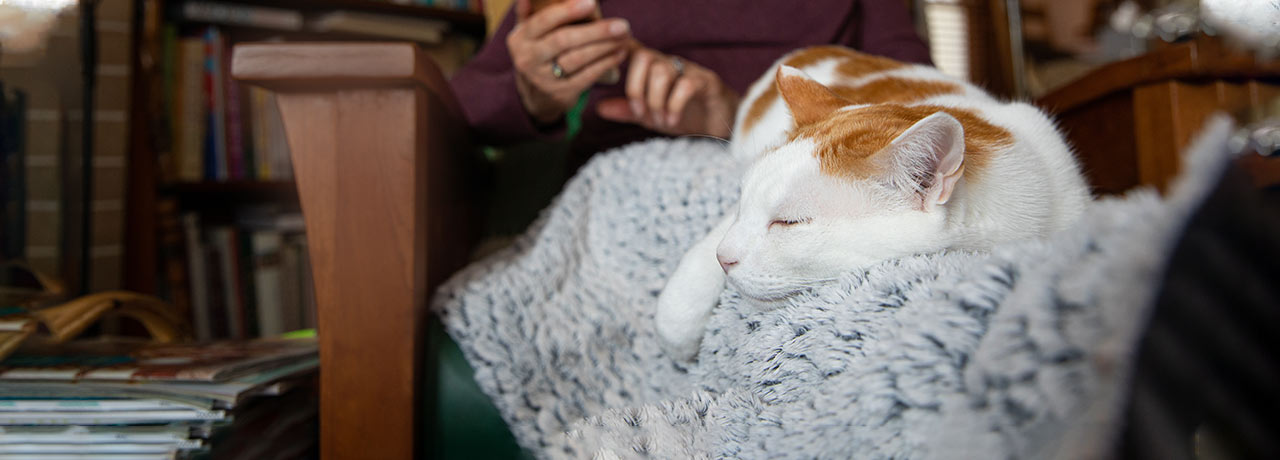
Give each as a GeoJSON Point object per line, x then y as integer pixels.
{"type": "Point", "coordinates": [616, 109]}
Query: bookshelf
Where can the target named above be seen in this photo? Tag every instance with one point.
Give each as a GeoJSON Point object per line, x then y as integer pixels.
{"type": "Point", "coordinates": [466, 22]}
{"type": "Point", "coordinates": [173, 208]}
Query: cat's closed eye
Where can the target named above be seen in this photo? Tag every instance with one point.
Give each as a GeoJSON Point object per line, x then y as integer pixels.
{"type": "Point", "coordinates": [788, 222]}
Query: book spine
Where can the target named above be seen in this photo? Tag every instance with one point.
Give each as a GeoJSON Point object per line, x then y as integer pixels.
{"type": "Point", "coordinates": [89, 405]}
{"type": "Point", "coordinates": [218, 316]}
{"type": "Point", "coordinates": [267, 280]}
{"type": "Point", "coordinates": [281, 167]}
{"type": "Point", "coordinates": [106, 418]}
{"type": "Point", "coordinates": [217, 101]}
{"type": "Point", "coordinates": [227, 250]}
{"type": "Point", "coordinates": [81, 436]}
{"type": "Point", "coordinates": [291, 285]}
{"type": "Point", "coordinates": [261, 144]}
{"type": "Point", "coordinates": [199, 288]}
{"type": "Point", "coordinates": [170, 233]}
{"type": "Point", "coordinates": [235, 133]}
{"type": "Point", "coordinates": [169, 123]}
{"type": "Point", "coordinates": [272, 18]}
{"type": "Point", "coordinates": [248, 285]}
{"type": "Point", "coordinates": [190, 110]}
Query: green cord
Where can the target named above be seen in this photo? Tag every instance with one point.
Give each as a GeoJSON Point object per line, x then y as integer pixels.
{"type": "Point", "coordinates": [573, 118]}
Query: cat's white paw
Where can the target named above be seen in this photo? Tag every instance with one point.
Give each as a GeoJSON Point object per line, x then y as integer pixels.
{"type": "Point", "coordinates": [684, 307]}
{"type": "Point", "coordinates": [691, 294]}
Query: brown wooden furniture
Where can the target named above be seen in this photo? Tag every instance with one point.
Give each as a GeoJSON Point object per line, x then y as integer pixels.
{"type": "Point", "coordinates": [378, 151]}
{"type": "Point", "coordinates": [147, 191]}
{"type": "Point", "coordinates": [1128, 120]}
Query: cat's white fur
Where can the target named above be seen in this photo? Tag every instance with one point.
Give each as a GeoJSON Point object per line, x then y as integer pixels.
{"type": "Point", "coordinates": [1032, 188]}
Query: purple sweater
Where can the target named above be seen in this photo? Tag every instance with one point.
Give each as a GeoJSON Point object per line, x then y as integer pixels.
{"type": "Point", "coordinates": [738, 39]}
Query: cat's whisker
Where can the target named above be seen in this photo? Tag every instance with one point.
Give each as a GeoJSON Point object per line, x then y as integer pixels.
{"type": "Point", "coordinates": [707, 136]}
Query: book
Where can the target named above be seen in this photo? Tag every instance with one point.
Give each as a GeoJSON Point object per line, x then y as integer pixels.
{"type": "Point", "coordinates": [270, 144]}
{"type": "Point", "coordinates": [198, 285]}
{"type": "Point", "coordinates": [166, 121]}
{"type": "Point", "coordinates": [132, 399]}
{"type": "Point", "coordinates": [172, 238]}
{"type": "Point", "coordinates": [248, 286]}
{"type": "Point", "coordinates": [190, 110]}
{"type": "Point", "coordinates": [129, 362]}
{"type": "Point", "coordinates": [216, 166]}
{"type": "Point", "coordinates": [107, 418]}
{"type": "Point", "coordinates": [268, 281]}
{"type": "Point", "coordinates": [291, 316]}
{"type": "Point", "coordinates": [177, 435]}
{"type": "Point", "coordinates": [166, 456]}
{"type": "Point", "coordinates": [242, 15]}
{"type": "Point", "coordinates": [223, 243]}
{"type": "Point", "coordinates": [50, 403]}
{"type": "Point", "coordinates": [420, 30]}
{"type": "Point", "coordinates": [221, 395]}
{"type": "Point", "coordinates": [9, 450]}
{"type": "Point", "coordinates": [234, 121]}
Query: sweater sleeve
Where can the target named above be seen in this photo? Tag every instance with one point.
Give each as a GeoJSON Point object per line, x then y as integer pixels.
{"type": "Point", "coordinates": [486, 89]}
{"type": "Point", "coordinates": [886, 29]}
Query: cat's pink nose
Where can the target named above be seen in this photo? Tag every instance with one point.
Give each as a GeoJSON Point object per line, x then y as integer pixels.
{"type": "Point", "coordinates": [726, 262]}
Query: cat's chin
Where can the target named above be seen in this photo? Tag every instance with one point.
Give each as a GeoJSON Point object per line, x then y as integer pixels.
{"type": "Point", "coordinates": [770, 295]}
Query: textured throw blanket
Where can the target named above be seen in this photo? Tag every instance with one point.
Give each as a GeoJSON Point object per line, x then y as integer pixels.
{"type": "Point", "coordinates": [1023, 352]}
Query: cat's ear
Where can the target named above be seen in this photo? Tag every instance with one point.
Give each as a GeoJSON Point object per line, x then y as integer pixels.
{"type": "Point", "coordinates": [931, 158]}
{"type": "Point", "coordinates": [807, 100]}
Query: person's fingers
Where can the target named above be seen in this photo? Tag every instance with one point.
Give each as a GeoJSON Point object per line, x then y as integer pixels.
{"type": "Point", "coordinates": [523, 9]}
{"type": "Point", "coordinates": [661, 77]}
{"type": "Point", "coordinates": [637, 79]}
{"type": "Point", "coordinates": [592, 72]}
{"type": "Point", "coordinates": [684, 91]}
{"type": "Point", "coordinates": [616, 109]}
{"type": "Point", "coordinates": [554, 16]}
{"type": "Point", "coordinates": [567, 38]}
{"type": "Point", "coordinates": [577, 58]}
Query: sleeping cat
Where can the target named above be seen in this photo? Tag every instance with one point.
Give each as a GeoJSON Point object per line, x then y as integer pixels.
{"type": "Point", "coordinates": [856, 159]}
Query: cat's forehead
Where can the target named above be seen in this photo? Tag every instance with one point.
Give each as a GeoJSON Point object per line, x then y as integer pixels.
{"type": "Point", "coordinates": [849, 142]}
{"type": "Point", "coordinates": [852, 142]}
{"type": "Point", "coordinates": [789, 181]}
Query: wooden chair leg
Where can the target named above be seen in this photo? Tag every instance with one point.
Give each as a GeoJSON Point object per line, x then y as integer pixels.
{"type": "Point", "coordinates": [377, 148]}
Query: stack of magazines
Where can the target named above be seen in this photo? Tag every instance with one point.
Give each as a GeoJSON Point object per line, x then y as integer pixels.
{"type": "Point", "coordinates": [109, 400]}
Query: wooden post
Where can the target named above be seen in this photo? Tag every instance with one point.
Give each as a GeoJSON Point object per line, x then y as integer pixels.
{"type": "Point", "coordinates": [378, 148]}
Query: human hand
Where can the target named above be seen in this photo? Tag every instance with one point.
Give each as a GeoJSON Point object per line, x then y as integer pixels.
{"type": "Point", "coordinates": [546, 38]}
{"type": "Point", "coordinates": [673, 96]}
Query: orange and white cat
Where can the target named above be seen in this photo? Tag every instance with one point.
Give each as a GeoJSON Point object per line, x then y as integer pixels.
{"type": "Point", "coordinates": [856, 159]}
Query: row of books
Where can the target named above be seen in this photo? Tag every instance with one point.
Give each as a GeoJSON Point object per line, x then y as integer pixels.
{"type": "Point", "coordinates": [423, 30]}
{"type": "Point", "coordinates": [251, 278]}
{"type": "Point", "coordinates": [474, 6]}
{"type": "Point", "coordinates": [13, 188]}
{"type": "Point", "coordinates": [127, 399]}
{"type": "Point", "coordinates": [219, 130]}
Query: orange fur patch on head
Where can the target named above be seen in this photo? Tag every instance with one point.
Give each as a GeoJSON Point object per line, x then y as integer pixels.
{"type": "Point", "coordinates": [895, 90]}
{"type": "Point", "coordinates": [849, 144]}
{"type": "Point", "coordinates": [760, 106]}
{"type": "Point", "coordinates": [852, 64]}
{"type": "Point", "coordinates": [808, 101]}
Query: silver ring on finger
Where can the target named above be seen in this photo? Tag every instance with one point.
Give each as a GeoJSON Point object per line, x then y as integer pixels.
{"type": "Point", "coordinates": [678, 65]}
{"type": "Point", "coordinates": [557, 71]}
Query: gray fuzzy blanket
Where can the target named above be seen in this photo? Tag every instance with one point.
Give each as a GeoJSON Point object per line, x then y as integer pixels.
{"type": "Point", "coordinates": [1018, 353]}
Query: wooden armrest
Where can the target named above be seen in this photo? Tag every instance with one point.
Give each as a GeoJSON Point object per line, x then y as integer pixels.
{"type": "Point", "coordinates": [379, 151]}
